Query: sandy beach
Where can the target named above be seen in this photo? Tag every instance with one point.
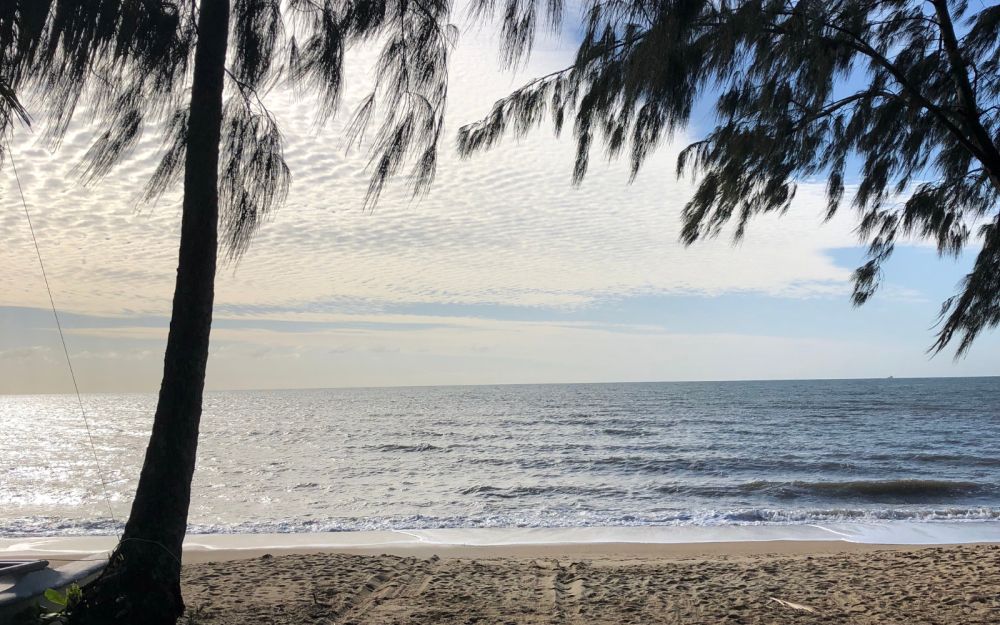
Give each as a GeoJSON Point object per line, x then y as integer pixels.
{"type": "Point", "coordinates": [731, 582]}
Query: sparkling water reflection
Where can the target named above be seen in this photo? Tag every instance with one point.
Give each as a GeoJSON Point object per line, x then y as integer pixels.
{"type": "Point", "coordinates": [553, 455]}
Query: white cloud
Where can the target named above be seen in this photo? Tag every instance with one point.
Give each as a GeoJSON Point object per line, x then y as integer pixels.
{"type": "Point", "coordinates": [504, 227]}
{"type": "Point", "coordinates": [26, 353]}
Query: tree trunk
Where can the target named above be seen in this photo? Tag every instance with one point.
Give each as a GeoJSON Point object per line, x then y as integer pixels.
{"type": "Point", "coordinates": [142, 582]}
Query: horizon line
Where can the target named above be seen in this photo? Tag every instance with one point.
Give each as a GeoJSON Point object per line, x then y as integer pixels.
{"type": "Point", "coordinates": [462, 385]}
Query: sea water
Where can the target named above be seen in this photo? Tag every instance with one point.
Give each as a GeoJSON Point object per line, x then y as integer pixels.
{"type": "Point", "coordinates": [567, 455]}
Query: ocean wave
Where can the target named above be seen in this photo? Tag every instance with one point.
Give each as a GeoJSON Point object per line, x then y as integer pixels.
{"type": "Point", "coordinates": [630, 432]}
{"type": "Point", "coordinates": [873, 491]}
{"type": "Point", "coordinates": [537, 491]}
{"type": "Point", "coordinates": [710, 465]}
{"type": "Point", "coordinates": [49, 526]}
{"type": "Point", "coordinates": [407, 448]}
{"type": "Point", "coordinates": [643, 463]}
{"type": "Point", "coordinates": [958, 459]}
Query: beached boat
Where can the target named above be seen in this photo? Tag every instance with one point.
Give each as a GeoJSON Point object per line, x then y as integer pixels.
{"type": "Point", "coordinates": [23, 582]}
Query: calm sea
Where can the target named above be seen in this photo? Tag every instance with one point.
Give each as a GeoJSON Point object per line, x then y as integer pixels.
{"type": "Point", "coordinates": [537, 455]}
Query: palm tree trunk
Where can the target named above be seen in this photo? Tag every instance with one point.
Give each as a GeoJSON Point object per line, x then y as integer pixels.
{"type": "Point", "coordinates": [142, 582]}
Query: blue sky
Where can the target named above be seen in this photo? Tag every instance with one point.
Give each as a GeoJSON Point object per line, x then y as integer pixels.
{"type": "Point", "coordinates": [504, 273]}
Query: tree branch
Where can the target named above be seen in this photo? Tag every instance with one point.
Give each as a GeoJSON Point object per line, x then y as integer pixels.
{"type": "Point", "coordinates": [966, 95]}
{"type": "Point", "coordinates": [855, 42]}
{"type": "Point", "coordinates": [839, 104]}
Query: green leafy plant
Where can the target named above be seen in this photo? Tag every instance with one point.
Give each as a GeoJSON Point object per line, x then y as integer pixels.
{"type": "Point", "coordinates": [193, 616]}
{"type": "Point", "coordinates": [64, 602]}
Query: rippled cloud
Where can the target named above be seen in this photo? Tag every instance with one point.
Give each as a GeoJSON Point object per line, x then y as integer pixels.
{"type": "Point", "coordinates": [504, 227]}
{"type": "Point", "coordinates": [501, 231]}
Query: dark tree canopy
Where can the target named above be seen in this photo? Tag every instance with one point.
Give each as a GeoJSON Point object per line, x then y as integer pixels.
{"type": "Point", "coordinates": [902, 95]}
{"type": "Point", "coordinates": [131, 60]}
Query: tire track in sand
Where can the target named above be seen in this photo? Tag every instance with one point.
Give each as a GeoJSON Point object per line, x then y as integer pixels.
{"type": "Point", "coordinates": [561, 589]}
{"type": "Point", "coordinates": [407, 578]}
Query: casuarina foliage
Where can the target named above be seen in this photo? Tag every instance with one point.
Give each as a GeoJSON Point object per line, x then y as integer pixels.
{"type": "Point", "coordinates": [899, 97]}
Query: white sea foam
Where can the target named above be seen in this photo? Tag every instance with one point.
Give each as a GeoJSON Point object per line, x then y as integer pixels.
{"type": "Point", "coordinates": [900, 533]}
{"type": "Point", "coordinates": [709, 520]}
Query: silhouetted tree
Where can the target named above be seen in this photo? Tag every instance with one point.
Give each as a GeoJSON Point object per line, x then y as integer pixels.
{"type": "Point", "coordinates": [904, 95]}
{"type": "Point", "coordinates": [198, 65]}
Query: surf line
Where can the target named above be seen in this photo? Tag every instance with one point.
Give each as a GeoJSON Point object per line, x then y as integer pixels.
{"type": "Point", "coordinates": [420, 539]}
{"type": "Point", "coordinates": [844, 537]}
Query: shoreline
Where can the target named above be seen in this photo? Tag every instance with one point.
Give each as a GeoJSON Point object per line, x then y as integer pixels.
{"type": "Point", "coordinates": [601, 551]}
{"type": "Point", "coordinates": [579, 542]}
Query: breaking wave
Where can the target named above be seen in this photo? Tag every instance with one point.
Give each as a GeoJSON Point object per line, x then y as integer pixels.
{"type": "Point", "coordinates": [48, 526]}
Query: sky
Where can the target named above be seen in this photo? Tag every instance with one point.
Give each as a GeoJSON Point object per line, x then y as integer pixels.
{"type": "Point", "coordinates": [503, 273]}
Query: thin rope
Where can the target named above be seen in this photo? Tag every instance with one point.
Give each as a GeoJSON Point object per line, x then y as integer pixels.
{"type": "Point", "coordinates": [155, 543]}
{"type": "Point", "coordinates": [62, 339]}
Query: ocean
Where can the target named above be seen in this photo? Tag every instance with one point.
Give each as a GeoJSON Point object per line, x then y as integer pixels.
{"type": "Point", "coordinates": [560, 455]}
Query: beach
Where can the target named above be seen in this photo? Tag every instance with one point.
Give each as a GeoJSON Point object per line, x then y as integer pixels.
{"type": "Point", "coordinates": [892, 573]}
{"type": "Point", "coordinates": [728, 582]}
